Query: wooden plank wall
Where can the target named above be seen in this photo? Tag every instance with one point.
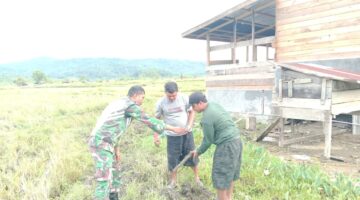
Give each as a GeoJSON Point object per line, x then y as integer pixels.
{"type": "Point", "coordinates": [346, 101]}
{"type": "Point", "coordinates": [260, 76]}
{"type": "Point", "coordinates": [300, 85]}
{"type": "Point", "coordinates": [342, 86]}
{"type": "Point", "coordinates": [309, 30]}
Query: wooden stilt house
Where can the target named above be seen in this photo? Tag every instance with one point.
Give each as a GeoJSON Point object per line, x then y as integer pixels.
{"type": "Point", "coordinates": [295, 59]}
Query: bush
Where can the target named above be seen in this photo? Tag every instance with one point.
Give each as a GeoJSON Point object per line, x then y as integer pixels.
{"type": "Point", "coordinates": [20, 82]}
{"type": "Point", "coordinates": [39, 77]}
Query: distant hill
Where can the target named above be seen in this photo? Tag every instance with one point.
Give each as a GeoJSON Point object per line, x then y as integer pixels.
{"type": "Point", "coordinates": [102, 68]}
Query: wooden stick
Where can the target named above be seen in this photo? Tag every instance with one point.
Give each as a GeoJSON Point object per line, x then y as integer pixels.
{"type": "Point", "coordinates": [336, 159]}
{"type": "Point", "coordinates": [268, 129]}
{"type": "Point", "coordinates": [182, 162]}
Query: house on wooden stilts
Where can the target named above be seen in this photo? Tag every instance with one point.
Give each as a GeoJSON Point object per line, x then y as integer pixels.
{"type": "Point", "coordinates": [287, 58]}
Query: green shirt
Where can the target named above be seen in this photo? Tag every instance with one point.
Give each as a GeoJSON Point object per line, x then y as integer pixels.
{"type": "Point", "coordinates": [218, 127]}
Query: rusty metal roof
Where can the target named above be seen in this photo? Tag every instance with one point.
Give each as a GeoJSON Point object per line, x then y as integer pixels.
{"type": "Point", "coordinates": [322, 71]}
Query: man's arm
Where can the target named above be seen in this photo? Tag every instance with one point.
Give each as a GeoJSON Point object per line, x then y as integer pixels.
{"type": "Point", "coordinates": [156, 125]}
{"type": "Point", "coordinates": [190, 121]}
{"type": "Point", "coordinates": [191, 115]}
{"type": "Point", "coordinates": [208, 139]}
{"type": "Point", "coordinates": [117, 155]}
{"type": "Point", "coordinates": [137, 113]}
{"type": "Point", "coordinates": [156, 137]}
{"type": "Point", "coordinates": [158, 114]}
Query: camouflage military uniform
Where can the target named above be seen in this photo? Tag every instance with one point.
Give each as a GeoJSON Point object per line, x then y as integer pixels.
{"type": "Point", "coordinates": [113, 122]}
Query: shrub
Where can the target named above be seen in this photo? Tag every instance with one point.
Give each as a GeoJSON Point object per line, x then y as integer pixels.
{"type": "Point", "coordinates": [39, 77]}
{"type": "Point", "coordinates": [20, 82]}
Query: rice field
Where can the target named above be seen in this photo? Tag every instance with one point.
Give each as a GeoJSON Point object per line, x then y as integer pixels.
{"type": "Point", "coordinates": [43, 151]}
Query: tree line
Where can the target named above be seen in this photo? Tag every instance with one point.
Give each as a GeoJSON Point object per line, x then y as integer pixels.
{"type": "Point", "coordinates": [41, 70]}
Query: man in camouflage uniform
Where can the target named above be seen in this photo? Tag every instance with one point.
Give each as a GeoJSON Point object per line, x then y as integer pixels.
{"type": "Point", "coordinates": [104, 139]}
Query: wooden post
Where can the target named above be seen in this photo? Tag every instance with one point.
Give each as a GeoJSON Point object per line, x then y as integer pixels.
{"type": "Point", "coordinates": [280, 90]}
{"type": "Point", "coordinates": [323, 91]}
{"type": "Point", "coordinates": [247, 54]}
{"type": "Point", "coordinates": [327, 128]}
{"type": "Point", "coordinates": [267, 52]}
{"type": "Point", "coordinates": [254, 53]}
{"type": "Point", "coordinates": [356, 128]}
{"type": "Point", "coordinates": [233, 49]}
{"type": "Point", "coordinates": [281, 133]}
{"type": "Point", "coordinates": [208, 50]}
{"type": "Point", "coordinates": [263, 102]}
{"type": "Point", "coordinates": [250, 123]}
{"type": "Point", "coordinates": [290, 88]}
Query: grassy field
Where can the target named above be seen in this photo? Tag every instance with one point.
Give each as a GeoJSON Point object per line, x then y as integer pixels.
{"type": "Point", "coordinates": [43, 151]}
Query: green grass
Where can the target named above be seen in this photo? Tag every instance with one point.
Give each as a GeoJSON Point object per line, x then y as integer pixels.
{"type": "Point", "coordinates": [44, 155]}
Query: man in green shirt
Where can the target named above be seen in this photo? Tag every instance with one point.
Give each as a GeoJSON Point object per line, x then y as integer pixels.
{"type": "Point", "coordinates": [219, 129]}
{"type": "Point", "coordinates": [104, 140]}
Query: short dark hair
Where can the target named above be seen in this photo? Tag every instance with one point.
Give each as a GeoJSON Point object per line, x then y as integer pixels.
{"type": "Point", "coordinates": [135, 89]}
{"type": "Point", "coordinates": [197, 97]}
{"type": "Point", "coordinates": [171, 87]}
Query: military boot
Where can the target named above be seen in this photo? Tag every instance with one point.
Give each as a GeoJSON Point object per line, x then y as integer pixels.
{"type": "Point", "coordinates": [114, 196]}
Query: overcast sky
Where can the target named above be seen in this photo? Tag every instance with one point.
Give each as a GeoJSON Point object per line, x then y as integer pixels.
{"type": "Point", "coordinates": [104, 28]}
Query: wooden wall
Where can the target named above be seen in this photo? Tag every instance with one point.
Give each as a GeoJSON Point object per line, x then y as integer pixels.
{"type": "Point", "coordinates": [242, 88]}
{"type": "Point", "coordinates": [346, 101]}
{"type": "Point", "coordinates": [255, 76]}
{"type": "Point", "coordinates": [309, 30]}
{"type": "Point", "coordinates": [299, 85]}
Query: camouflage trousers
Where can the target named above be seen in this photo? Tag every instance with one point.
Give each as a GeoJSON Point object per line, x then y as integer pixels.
{"type": "Point", "coordinates": [107, 173]}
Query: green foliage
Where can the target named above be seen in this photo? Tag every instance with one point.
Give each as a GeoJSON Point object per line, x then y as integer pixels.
{"type": "Point", "coordinates": [39, 77]}
{"type": "Point", "coordinates": [289, 180]}
{"type": "Point", "coordinates": [83, 79]}
{"type": "Point", "coordinates": [150, 73]}
{"type": "Point", "coordinates": [20, 82]}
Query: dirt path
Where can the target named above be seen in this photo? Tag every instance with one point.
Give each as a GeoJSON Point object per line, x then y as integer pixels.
{"type": "Point", "coordinates": [345, 148]}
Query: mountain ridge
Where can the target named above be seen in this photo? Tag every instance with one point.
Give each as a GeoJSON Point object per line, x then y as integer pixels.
{"type": "Point", "coordinates": [102, 68]}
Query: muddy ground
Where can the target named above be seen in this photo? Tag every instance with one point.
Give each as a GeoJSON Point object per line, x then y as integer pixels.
{"type": "Point", "coordinates": [345, 151]}
{"type": "Point", "coordinates": [187, 191]}
{"type": "Point", "coordinates": [133, 172]}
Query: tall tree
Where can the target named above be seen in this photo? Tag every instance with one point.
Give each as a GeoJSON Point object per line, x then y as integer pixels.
{"type": "Point", "coordinates": [39, 77]}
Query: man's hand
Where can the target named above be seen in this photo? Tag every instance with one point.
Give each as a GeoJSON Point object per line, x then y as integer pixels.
{"type": "Point", "coordinates": [156, 139]}
{"type": "Point", "coordinates": [179, 130]}
{"type": "Point", "coordinates": [188, 128]}
{"type": "Point", "coordinates": [194, 154]}
{"type": "Point", "coordinates": [117, 156]}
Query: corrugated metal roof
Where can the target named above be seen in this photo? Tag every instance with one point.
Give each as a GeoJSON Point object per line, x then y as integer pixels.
{"type": "Point", "coordinates": [322, 71]}
{"type": "Point", "coordinates": [220, 28]}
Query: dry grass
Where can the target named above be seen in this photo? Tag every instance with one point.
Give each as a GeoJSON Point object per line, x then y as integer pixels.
{"type": "Point", "coordinates": [43, 151]}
